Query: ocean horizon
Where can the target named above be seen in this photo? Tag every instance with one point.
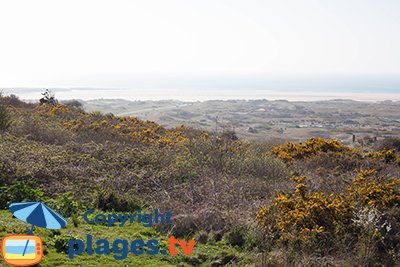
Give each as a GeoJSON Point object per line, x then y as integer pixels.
{"type": "Point", "coordinates": [192, 95]}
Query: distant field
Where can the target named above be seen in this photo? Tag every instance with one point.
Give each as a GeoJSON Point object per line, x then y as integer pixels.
{"type": "Point", "coordinates": [268, 120]}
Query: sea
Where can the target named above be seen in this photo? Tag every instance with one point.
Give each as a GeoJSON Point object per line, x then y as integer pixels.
{"type": "Point", "coordinates": [239, 87]}
{"type": "Point", "coordinates": [191, 95]}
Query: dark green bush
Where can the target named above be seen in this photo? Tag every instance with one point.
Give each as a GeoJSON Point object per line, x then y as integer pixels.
{"type": "Point", "coordinates": [3, 197]}
{"type": "Point", "coordinates": [236, 237]}
{"type": "Point", "coordinates": [65, 204]}
{"type": "Point", "coordinates": [201, 237]}
{"type": "Point", "coordinates": [60, 242]}
{"type": "Point", "coordinates": [18, 192]}
{"type": "Point", "coordinates": [109, 200]}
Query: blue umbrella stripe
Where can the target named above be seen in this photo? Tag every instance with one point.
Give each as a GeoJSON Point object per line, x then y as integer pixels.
{"type": "Point", "coordinates": [23, 211]}
{"type": "Point", "coordinates": [38, 214]}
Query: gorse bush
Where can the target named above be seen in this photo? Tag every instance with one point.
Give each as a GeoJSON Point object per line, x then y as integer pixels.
{"type": "Point", "coordinates": [372, 191]}
{"type": "Point", "coordinates": [304, 216]}
{"type": "Point", "coordinates": [386, 155]}
{"type": "Point", "coordinates": [308, 219]}
{"type": "Point", "coordinates": [310, 147]}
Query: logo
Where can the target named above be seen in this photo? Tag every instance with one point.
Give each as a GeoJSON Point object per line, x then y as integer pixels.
{"type": "Point", "coordinates": [122, 248]}
{"type": "Point", "coordinates": [27, 250]}
{"type": "Point", "coordinates": [22, 250]}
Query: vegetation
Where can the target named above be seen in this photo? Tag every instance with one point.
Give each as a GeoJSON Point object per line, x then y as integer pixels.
{"type": "Point", "coordinates": [234, 196]}
{"type": "Point", "coordinates": [337, 222]}
{"type": "Point", "coordinates": [56, 246]}
{"type": "Point", "coordinates": [5, 120]}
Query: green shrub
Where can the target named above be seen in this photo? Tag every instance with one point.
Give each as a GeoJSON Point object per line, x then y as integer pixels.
{"type": "Point", "coordinates": [60, 242]}
{"type": "Point", "coordinates": [109, 200]}
{"type": "Point", "coordinates": [3, 197]}
{"type": "Point", "coordinates": [65, 204]}
{"type": "Point", "coordinates": [18, 192]}
{"type": "Point", "coordinates": [236, 237]}
{"type": "Point", "coordinates": [255, 240]}
{"type": "Point", "coordinates": [5, 119]}
{"type": "Point", "coordinates": [185, 164]}
{"type": "Point", "coordinates": [201, 237]}
{"type": "Point", "coordinates": [225, 258]}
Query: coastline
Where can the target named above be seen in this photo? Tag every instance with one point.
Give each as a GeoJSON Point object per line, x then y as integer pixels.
{"type": "Point", "coordinates": [201, 95]}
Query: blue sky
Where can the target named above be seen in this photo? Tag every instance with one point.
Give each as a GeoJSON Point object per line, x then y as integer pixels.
{"type": "Point", "coordinates": [127, 43]}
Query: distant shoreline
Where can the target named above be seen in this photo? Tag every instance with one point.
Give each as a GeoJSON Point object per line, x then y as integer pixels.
{"type": "Point", "coordinates": [201, 95]}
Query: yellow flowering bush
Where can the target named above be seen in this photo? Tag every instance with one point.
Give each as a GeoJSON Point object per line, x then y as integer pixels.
{"type": "Point", "coordinates": [290, 151]}
{"type": "Point", "coordinates": [370, 190]}
{"type": "Point", "coordinates": [127, 128]}
{"type": "Point", "coordinates": [305, 216]}
{"type": "Point", "coordinates": [387, 155]}
{"type": "Point", "coordinates": [51, 111]}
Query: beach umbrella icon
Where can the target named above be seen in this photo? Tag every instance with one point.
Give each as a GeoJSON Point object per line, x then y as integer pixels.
{"type": "Point", "coordinates": [37, 214]}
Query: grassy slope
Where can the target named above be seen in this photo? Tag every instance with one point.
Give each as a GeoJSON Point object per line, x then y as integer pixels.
{"type": "Point", "coordinates": [33, 155]}
{"type": "Point", "coordinates": [203, 255]}
{"type": "Point", "coordinates": [212, 183]}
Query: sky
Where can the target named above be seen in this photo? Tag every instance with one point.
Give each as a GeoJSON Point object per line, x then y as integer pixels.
{"type": "Point", "coordinates": [208, 43]}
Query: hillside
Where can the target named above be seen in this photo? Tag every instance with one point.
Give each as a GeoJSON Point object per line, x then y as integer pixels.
{"type": "Point", "coordinates": [311, 203]}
